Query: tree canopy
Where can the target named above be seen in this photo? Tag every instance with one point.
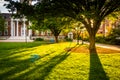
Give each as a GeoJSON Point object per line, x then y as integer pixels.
{"type": "Point", "coordinates": [89, 12]}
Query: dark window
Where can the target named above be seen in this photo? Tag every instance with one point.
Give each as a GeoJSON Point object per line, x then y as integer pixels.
{"type": "Point", "coordinates": [0, 33]}
{"type": "Point", "coordinates": [6, 32]}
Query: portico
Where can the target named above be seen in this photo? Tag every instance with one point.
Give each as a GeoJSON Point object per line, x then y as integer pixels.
{"type": "Point", "coordinates": [19, 27]}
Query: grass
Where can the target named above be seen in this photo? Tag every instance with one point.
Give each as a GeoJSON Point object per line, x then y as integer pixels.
{"type": "Point", "coordinates": [56, 62]}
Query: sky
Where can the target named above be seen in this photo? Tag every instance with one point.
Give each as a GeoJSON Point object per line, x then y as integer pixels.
{"type": "Point", "coordinates": [5, 10]}
{"type": "Point", "coordinates": [2, 8]}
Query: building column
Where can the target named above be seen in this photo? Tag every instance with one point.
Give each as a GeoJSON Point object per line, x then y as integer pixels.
{"type": "Point", "coordinates": [17, 28]}
{"type": "Point", "coordinates": [11, 26]}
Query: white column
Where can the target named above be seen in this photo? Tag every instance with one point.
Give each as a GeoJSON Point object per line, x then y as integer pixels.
{"type": "Point", "coordinates": [17, 27]}
{"type": "Point", "coordinates": [30, 32]}
{"type": "Point", "coordinates": [11, 26]}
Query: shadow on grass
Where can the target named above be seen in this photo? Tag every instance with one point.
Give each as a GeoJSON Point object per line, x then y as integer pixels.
{"type": "Point", "coordinates": [96, 69]}
{"type": "Point", "coordinates": [44, 69]}
{"type": "Point", "coordinates": [13, 69]}
{"type": "Point", "coordinates": [69, 48]}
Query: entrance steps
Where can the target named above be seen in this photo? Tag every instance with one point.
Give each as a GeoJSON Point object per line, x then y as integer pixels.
{"type": "Point", "coordinates": [15, 39]}
{"type": "Point", "coordinates": [18, 38]}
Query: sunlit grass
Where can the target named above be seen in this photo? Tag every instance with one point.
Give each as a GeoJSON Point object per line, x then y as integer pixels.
{"type": "Point", "coordinates": [55, 63]}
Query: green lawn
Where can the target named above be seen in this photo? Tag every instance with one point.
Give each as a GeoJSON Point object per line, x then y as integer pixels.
{"type": "Point", "coordinates": [56, 63]}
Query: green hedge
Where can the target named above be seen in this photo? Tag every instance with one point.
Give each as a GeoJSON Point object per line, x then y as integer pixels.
{"type": "Point", "coordinates": [39, 39]}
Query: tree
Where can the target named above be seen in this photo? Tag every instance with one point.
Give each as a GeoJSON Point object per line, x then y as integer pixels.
{"type": "Point", "coordinates": [77, 27]}
{"type": "Point", "coordinates": [89, 12]}
{"type": "Point", "coordinates": [54, 24]}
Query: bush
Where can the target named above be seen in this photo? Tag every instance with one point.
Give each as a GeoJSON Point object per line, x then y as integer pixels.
{"type": "Point", "coordinates": [86, 39]}
{"type": "Point", "coordinates": [112, 38]}
{"type": "Point", "coordinates": [39, 39]}
{"type": "Point", "coordinates": [68, 39]}
{"type": "Point", "coordinates": [100, 39]}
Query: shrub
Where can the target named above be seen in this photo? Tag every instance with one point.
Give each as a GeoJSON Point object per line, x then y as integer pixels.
{"type": "Point", "coordinates": [112, 38]}
{"type": "Point", "coordinates": [68, 39]}
{"type": "Point", "coordinates": [39, 39]}
{"type": "Point", "coordinates": [100, 39]}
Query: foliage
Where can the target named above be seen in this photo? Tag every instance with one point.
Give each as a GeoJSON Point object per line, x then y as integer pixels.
{"type": "Point", "coordinates": [2, 23]}
{"type": "Point", "coordinates": [114, 16]}
{"type": "Point", "coordinates": [56, 25]}
{"type": "Point", "coordinates": [68, 39]}
{"type": "Point", "coordinates": [89, 12]}
{"type": "Point", "coordinates": [112, 38]}
{"type": "Point", "coordinates": [100, 39]}
{"type": "Point", "coordinates": [39, 39]}
{"type": "Point", "coordinates": [55, 63]}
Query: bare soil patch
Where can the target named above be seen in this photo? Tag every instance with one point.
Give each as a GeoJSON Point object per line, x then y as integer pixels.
{"type": "Point", "coordinates": [85, 49]}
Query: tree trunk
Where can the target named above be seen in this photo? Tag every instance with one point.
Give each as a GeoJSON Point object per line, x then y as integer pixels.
{"type": "Point", "coordinates": [56, 39]}
{"type": "Point", "coordinates": [92, 47]}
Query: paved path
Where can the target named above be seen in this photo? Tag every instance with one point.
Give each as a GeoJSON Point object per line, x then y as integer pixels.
{"type": "Point", "coordinates": [113, 47]}
{"type": "Point", "coordinates": [16, 40]}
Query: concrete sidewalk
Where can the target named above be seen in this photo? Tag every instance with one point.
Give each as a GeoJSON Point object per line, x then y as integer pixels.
{"type": "Point", "coordinates": [16, 40]}
{"type": "Point", "coordinates": [113, 47]}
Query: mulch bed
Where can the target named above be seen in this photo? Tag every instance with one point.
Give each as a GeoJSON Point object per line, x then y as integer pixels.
{"type": "Point", "coordinates": [84, 49]}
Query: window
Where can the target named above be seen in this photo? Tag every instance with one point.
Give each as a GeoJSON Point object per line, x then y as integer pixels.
{"type": "Point", "coordinates": [6, 32]}
{"type": "Point", "coordinates": [0, 33]}
{"type": "Point", "coordinates": [6, 24]}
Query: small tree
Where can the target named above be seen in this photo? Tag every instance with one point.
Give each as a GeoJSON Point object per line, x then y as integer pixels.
{"type": "Point", "coordinates": [77, 26]}
{"type": "Point", "coordinates": [54, 24]}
